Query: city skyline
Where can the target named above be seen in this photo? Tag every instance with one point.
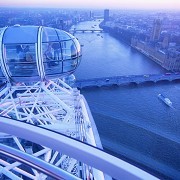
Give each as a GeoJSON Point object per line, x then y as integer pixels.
{"type": "Point", "coordinates": [114, 4]}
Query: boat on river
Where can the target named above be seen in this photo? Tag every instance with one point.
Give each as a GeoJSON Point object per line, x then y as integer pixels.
{"type": "Point", "coordinates": [166, 100]}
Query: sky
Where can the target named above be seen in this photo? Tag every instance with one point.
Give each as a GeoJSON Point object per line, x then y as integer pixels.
{"type": "Point", "coordinates": [111, 4]}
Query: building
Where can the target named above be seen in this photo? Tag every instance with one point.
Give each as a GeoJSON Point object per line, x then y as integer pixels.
{"type": "Point", "coordinates": [91, 15]}
{"type": "Point", "coordinates": [165, 42]}
{"type": "Point", "coordinates": [106, 15]}
{"type": "Point", "coordinates": [156, 31]}
{"type": "Point", "coordinates": [172, 60]}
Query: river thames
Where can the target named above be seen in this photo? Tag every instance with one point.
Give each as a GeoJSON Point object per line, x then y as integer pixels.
{"type": "Point", "coordinates": [132, 122]}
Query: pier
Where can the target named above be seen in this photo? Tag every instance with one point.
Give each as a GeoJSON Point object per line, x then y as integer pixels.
{"type": "Point", "coordinates": [120, 80]}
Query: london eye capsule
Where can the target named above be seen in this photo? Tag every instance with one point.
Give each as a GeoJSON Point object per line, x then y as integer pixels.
{"type": "Point", "coordinates": [36, 53]}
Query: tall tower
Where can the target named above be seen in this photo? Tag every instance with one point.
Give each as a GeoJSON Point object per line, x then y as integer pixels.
{"type": "Point", "coordinates": [106, 15]}
{"type": "Point", "coordinates": [156, 30]}
{"type": "Point", "coordinates": [165, 42]}
{"type": "Point", "coordinates": [91, 14]}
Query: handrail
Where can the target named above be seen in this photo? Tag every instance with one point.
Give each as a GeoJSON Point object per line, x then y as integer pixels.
{"type": "Point", "coordinates": [83, 152]}
{"type": "Point", "coordinates": [35, 163]}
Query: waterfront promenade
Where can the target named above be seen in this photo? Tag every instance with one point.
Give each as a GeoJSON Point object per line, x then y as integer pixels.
{"type": "Point", "coordinates": [119, 80]}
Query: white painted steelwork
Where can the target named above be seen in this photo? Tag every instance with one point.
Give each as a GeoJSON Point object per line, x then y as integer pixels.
{"type": "Point", "coordinates": [53, 105]}
{"type": "Point", "coordinates": [32, 161]}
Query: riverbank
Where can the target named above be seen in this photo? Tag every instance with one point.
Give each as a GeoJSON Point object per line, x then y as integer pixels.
{"type": "Point", "coordinates": [150, 56]}
{"type": "Point", "coordinates": [166, 58]}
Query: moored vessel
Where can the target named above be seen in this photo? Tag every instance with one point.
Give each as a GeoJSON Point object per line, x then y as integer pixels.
{"type": "Point", "coordinates": [165, 99]}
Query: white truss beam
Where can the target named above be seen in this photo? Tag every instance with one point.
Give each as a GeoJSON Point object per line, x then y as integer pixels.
{"type": "Point", "coordinates": [52, 105]}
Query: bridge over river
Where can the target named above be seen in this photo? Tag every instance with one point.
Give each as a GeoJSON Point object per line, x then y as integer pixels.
{"type": "Point", "coordinates": [73, 31]}
{"type": "Point", "coordinates": [119, 80]}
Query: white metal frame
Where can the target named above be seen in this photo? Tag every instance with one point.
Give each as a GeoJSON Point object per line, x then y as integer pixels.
{"type": "Point", "coordinates": [49, 104]}
{"type": "Point", "coordinates": [2, 59]}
